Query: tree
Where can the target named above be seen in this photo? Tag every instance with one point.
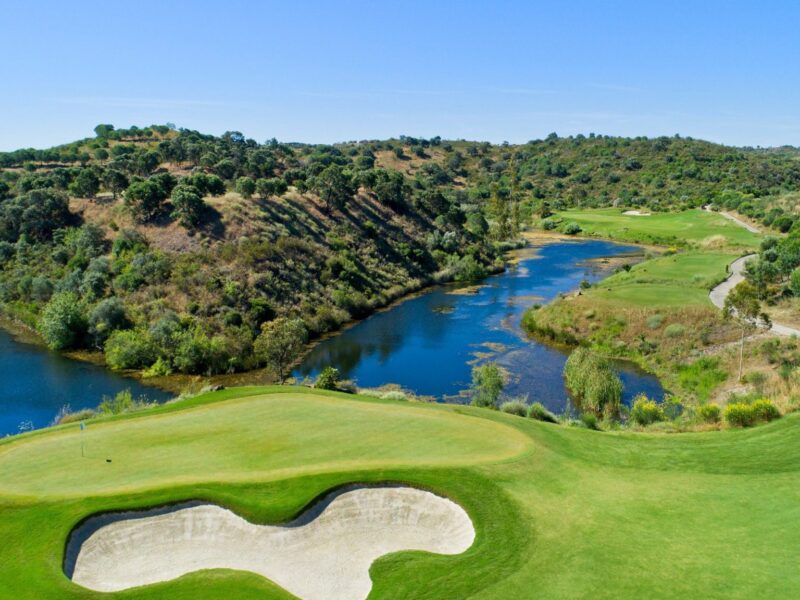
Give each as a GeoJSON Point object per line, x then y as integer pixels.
{"type": "Point", "coordinates": [35, 214]}
{"type": "Point", "coordinates": [107, 317]}
{"type": "Point", "coordinates": [274, 186]}
{"type": "Point", "coordinates": [593, 383]}
{"type": "Point", "coordinates": [103, 130]}
{"type": "Point", "coordinates": [187, 206]}
{"type": "Point", "coordinates": [328, 379]}
{"type": "Point", "coordinates": [335, 186]}
{"type": "Point", "coordinates": [115, 181]}
{"type": "Point", "coordinates": [62, 323]}
{"type": "Point", "coordinates": [279, 342]}
{"type": "Point", "coordinates": [145, 199]}
{"type": "Point", "coordinates": [86, 184]}
{"type": "Point", "coordinates": [245, 186]}
{"type": "Point", "coordinates": [742, 304]}
{"type": "Point", "coordinates": [487, 383]}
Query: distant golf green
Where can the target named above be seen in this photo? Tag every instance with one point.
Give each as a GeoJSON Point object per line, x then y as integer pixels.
{"type": "Point", "coordinates": [675, 280]}
{"type": "Point", "coordinates": [559, 512]}
{"type": "Point", "coordinates": [660, 228]}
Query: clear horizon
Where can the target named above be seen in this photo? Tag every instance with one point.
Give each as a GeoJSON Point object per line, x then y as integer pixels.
{"type": "Point", "coordinates": [333, 72]}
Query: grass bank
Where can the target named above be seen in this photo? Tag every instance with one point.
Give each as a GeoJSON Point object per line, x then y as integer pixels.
{"type": "Point", "coordinates": [656, 313]}
{"type": "Point", "coordinates": [559, 511]}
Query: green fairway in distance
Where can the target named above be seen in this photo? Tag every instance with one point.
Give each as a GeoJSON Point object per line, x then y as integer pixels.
{"type": "Point", "coordinates": [675, 280]}
{"type": "Point", "coordinates": [660, 228]}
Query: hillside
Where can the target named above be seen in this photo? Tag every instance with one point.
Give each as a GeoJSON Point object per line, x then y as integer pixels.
{"type": "Point", "coordinates": [172, 250]}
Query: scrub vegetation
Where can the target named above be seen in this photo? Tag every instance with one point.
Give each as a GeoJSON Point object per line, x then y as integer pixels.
{"type": "Point", "coordinates": [170, 251]}
{"type": "Point", "coordinates": [658, 314]}
{"type": "Point", "coordinates": [558, 511]}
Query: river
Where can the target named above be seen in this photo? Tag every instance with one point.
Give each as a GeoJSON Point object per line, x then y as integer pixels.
{"type": "Point", "coordinates": [35, 383]}
{"type": "Point", "coordinates": [429, 343]}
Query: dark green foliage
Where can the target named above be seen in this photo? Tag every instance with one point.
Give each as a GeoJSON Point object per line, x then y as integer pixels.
{"type": "Point", "coordinates": [106, 318]}
{"type": "Point", "coordinates": [487, 383]}
{"type": "Point", "coordinates": [274, 186]}
{"type": "Point", "coordinates": [35, 214]}
{"type": "Point", "coordinates": [514, 407]}
{"type": "Point", "coordinates": [62, 323]}
{"type": "Point", "coordinates": [145, 199]}
{"type": "Point", "coordinates": [279, 343]}
{"type": "Point", "coordinates": [328, 379]}
{"type": "Point", "coordinates": [188, 206]}
{"type": "Point", "coordinates": [540, 413]}
{"type": "Point", "coordinates": [594, 385]}
{"type": "Point", "coordinates": [245, 186]}
{"type": "Point", "coordinates": [335, 186]}
{"type": "Point", "coordinates": [130, 349]}
{"type": "Point", "coordinates": [86, 184]}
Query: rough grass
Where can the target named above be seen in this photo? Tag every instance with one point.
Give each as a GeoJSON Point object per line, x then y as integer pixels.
{"type": "Point", "coordinates": [566, 513]}
{"type": "Point", "coordinates": [675, 228]}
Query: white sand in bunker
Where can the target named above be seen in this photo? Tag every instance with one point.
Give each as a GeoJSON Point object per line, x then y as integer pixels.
{"type": "Point", "coordinates": [323, 555]}
{"type": "Point", "coordinates": [636, 213]}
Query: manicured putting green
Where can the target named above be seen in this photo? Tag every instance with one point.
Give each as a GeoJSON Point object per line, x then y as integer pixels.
{"type": "Point", "coordinates": [559, 512]}
{"type": "Point", "coordinates": [278, 435]}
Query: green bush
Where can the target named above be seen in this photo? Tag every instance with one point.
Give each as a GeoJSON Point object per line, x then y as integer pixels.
{"type": "Point", "coordinates": [764, 410]}
{"type": "Point", "coordinates": [593, 383]}
{"type": "Point", "coordinates": [590, 421]}
{"type": "Point", "coordinates": [63, 324]}
{"type": "Point", "coordinates": [328, 379]}
{"type": "Point", "coordinates": [645, 411]}
{"type": "Point", "coordinates": [130, 349]}
{"type": "Point", "coordinates": [655, 321]}
{"type": "Point", "coordinates": [487, 383]}
{"type": "Point", "coordinates": [740, 414]}
{"type": "Point", "coordinates": [709, 413]}
{"type": "Point", "coordinates": [514, 407]}
{"type": "Point", "coordinates": [540, 413]}
{"type": "Point", "coordinates": [674, 330]}
{"type": "Point", "coordinates": [549, 224]}
{"type": "Point", "coordinates": [572, 228]}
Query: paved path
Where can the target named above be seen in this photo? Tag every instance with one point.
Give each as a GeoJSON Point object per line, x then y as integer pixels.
{"type": "Point", "coordinates": [719, 293]}
{"type": "Point", "coordinates": [737, 220]}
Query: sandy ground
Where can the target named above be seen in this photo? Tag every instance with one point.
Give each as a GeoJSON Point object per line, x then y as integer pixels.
{"type": "Point", "coordinates": [324, 555]}
{"type": "Point", "coordinates": [636, 213]}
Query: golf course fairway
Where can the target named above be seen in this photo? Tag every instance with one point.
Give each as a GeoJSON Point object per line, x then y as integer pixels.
{"type": "Point", "coordinates": [558, 512]}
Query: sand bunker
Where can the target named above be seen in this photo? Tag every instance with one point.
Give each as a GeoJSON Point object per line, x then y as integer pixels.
{"type": "Point", "coordinates": [325, 554]}
{"type": "Point", "coordinates": [636, 213]}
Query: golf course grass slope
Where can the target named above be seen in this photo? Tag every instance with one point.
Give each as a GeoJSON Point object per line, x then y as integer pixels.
{"type": "Point", "coordinates": [558, 512]}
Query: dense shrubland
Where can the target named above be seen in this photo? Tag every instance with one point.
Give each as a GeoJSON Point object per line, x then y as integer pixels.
{"type": "Point", "coordinates": [175, 251]}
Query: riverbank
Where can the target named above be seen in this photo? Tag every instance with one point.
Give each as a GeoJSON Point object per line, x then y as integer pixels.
{"type": "Point", "coordinates": [660, 315]}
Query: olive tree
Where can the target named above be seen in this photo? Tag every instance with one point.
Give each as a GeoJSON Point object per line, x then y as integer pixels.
{"type": "Point", "coordinates": [487, 383]}
{"type": "Point", "coordinates": [742, 305]}
{"type": "Point", "coordinates": [279, 342]}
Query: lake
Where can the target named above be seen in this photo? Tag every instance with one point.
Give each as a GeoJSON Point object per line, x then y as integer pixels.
{"type": "Point", "coordinates": [35, 383]}
{"type": "Point", "coordinates": [429, 343]}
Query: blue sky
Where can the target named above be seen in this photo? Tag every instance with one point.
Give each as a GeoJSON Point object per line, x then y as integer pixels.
{"type": "Point", "coordinates": [333, 71]}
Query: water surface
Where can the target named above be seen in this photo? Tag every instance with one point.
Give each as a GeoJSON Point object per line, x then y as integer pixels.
{"type": "Point", "coordinates": [36, 383]}
{"type": "Point", "coordinates": [429, 343]}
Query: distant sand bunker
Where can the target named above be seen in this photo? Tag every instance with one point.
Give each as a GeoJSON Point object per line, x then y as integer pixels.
{"type": "Point", "coordinates": [636, 213]}
{"type": "Point", "coordinates": [325, 554]}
